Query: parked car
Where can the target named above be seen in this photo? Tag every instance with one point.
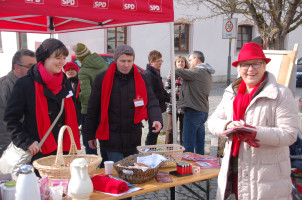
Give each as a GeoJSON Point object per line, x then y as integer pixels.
{"type": "Point", "coordinates": [107, 57]}
{"type": "Point", "coordinates": [299, 72]}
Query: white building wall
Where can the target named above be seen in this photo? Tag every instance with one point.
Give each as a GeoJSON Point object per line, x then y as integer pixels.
{"type": "Point", "coordinates": [9, 46]}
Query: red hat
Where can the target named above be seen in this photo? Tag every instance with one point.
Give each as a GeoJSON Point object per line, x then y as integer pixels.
{"type": "Point", "coordinates": [71, 65]}
{"type": "Point", "coordinates": [251, 51]}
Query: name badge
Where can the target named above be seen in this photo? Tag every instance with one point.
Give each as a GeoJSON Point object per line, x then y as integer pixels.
{"type": "Point", "coordinates": [138, 102]}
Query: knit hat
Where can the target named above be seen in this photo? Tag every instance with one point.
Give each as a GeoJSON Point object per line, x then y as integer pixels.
{"type": "Point", "coordinates": [251, 51]}
{"type": "Point", "coordinates": [81, 51]}
{"type": "Point", "coordinates": [47, 47]}
{"type": "Point", "coordinates": [123, 49]}
{"type": "Point", "coordinates": [71, 65]}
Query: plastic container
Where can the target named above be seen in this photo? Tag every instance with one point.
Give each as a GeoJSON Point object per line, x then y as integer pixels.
{"type": "Point", "coordinates": [9, 190]}
{"type": "Point", "coordinates": [27, 187]}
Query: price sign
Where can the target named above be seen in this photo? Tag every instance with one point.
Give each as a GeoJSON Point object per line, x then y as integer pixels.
{"type": "Point", "coordinates": [229, 28]}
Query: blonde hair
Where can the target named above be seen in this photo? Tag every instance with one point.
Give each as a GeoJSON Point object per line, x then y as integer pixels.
{"type": "Point", "coordinates": [184, 58]}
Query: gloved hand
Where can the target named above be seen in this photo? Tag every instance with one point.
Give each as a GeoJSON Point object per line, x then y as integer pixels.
{"type": "Point", "coordinates": [248, 137]}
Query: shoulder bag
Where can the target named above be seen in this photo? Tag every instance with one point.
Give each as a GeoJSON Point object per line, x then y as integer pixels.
{"type": "Point", "coordinates": [14, 157]}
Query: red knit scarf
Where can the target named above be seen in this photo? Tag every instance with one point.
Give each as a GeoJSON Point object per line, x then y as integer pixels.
{"type": "Point", "coordinates": [43, 121]}
{"type": "Point", "coordinates": [102, 132]}
{"type": "Point", "coordinates": [240, 105]}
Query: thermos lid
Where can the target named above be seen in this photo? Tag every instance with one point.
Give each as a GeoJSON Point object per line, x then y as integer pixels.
{"type": "Point", "coordinates": [10, 184]}
{"type": "Point", "coordinates": [26, 169]}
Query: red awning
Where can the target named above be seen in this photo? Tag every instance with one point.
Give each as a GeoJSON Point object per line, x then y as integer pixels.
{"type": "Point", "coordinates": [61, 16]}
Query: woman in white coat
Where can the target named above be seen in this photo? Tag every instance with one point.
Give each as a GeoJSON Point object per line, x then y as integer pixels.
{"type": "Point", "coordinates": [255, 165]}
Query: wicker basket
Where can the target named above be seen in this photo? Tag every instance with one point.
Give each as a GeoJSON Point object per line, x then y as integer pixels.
{"type": "Point", "coordinates": [138, 175]}
{"type": "Point", "coordinates": [51, 165]}
{"type": "Point", "coordinates": [173, 152]}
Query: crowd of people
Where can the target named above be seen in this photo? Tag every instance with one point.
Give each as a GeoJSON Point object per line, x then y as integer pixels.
{"type": "Point", "coordinates": [106, 104]}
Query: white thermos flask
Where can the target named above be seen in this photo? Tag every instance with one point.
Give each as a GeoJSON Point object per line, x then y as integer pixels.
{"type": "Point", "coordinates": [27, 187]}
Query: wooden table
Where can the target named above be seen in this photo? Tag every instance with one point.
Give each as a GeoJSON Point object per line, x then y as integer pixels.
{"type": "Point", "coordinates": [153, 185]}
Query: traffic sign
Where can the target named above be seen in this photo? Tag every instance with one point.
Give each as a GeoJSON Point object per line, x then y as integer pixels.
{"type": "Point", "coordinates": [229, 28]}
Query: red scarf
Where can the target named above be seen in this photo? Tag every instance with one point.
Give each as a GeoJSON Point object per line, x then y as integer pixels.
{"type": "Point", "coordinates": [240, 105]}
{"type": "Point", "coordinates": [42, 117]}
{"type": "Point", "coordinates": [102, 132]}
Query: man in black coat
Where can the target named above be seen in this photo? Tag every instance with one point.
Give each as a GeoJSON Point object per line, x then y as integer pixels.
{"type": "Point", "coordinates": [120, 99]}
{"type": "Point", "coordinates": [155, 80]}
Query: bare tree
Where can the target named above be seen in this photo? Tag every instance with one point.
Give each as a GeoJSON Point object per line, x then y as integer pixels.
{"type": "Point", "coordinates": [274, 18]}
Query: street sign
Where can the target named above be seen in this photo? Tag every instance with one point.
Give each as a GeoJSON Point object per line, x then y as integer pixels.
{"type": "Point", "coordinates": [229, 28]}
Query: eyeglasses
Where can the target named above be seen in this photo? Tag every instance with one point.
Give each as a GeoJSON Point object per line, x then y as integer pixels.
{"type": "Point", "coordinates": [27, 67]}
{"type": "Point", "coordinates": [254, 65]}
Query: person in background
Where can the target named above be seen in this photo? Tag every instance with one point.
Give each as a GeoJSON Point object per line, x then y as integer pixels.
{"type": "Point", "coordinates": [22, 61]}
{"type": "Point", "coordinates": [256, 165]}
{"type": "Point", "coordinates": [152, 74]}
{"type": "Point", "coordinates": [71, 70]}
{"type": "Point", "coordinates": [120, 99]}
{"type": "Point", "coordinates": [180, 62]}
{"type": "Point", "coordinates": [92, 64]}
{"type": "Point", "coordinates": [194, 98]}
{"type": "Point", "coordinates": [37, 98]}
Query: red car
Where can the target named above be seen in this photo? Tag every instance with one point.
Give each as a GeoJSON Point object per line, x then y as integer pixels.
{"type": "Point", "coordinates": [107, 57]}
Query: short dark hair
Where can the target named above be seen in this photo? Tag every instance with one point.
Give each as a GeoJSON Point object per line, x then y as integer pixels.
{"type": "Point", "coordinates": [17, 58]}
{"type": "Point", "coordinates": [198, 54]}
{"type": "Point", "coordinates": [153, 55]}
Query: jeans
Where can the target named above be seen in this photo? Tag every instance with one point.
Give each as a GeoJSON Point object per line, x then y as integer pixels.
{"type": "Point", "coordinates": [194, 130]}
{"type": "Point", "coordinates": [117, 156]}
{"type": "Point", "coordinates": [151, 138]}
{"type": "Point", "coordinates": [88, 150]}
{"type": "Point", "coordinates": [169, 132]}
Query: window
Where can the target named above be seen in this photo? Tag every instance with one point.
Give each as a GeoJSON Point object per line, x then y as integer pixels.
{"type": "Point", "coordinates": [115, 37]}
{"type": "Point", "coordinates": [21, 41]}
{"type": "Point", "coordinates": [181, 37]}
{"type": "Point", "coordinates": [244, 35]}
{"type": "Point", "coordinates": [1, 49]}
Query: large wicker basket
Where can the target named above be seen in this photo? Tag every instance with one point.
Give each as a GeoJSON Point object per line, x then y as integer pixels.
{"type": "Point", "coordinates": [138, 175]}
{"type": "Point", "coordinates": [54, 166]}
{"type": "Point", "coordinates": [173, 152]}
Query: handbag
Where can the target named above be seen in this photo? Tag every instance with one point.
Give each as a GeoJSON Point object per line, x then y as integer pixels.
{"type": "Point", "coordinates": [14, 157]}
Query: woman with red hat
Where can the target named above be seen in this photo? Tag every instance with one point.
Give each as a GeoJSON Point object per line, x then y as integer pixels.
{"type": "Point", "coordinates": [256, 164]}
{"type": "Point", "coordinates": [71, 70]}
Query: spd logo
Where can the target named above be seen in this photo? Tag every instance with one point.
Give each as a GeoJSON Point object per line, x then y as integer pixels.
{"type": "Point", "coordinates": [155, 5]}
{"type": "Point", "coordinates": [103, 4]}
{"type": "Point", "coordinates": [130, 5]}
{"type": "Point", "coordinates": [35, 1]}
{"type": "Point", "coordinates": [72, 3]}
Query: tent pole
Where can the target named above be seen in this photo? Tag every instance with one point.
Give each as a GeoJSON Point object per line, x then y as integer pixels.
{"type": "Point", "coordinates": [174, 111]}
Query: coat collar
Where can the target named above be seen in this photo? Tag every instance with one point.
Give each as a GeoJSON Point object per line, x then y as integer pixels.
{"type": "Point", "coordinates": [35, 75]}
{"type": "Point", "coordinates": [268, 89]}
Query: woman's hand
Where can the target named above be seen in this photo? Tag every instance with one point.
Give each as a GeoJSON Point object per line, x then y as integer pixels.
{"type": "Point", "coordinates": [34, 148]}
{"type": "Point", "coordinates": [234, 124]}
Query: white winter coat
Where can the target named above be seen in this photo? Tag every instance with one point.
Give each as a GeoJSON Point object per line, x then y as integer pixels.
{"type": "Point", "coordinates": [264, 172]}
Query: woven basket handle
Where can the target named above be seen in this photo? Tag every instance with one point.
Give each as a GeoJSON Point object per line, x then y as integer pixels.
{"type": "Point", "coordinates": [73, 148]}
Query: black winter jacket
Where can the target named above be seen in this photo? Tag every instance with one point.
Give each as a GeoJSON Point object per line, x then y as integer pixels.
{"type": "Point", "coordinates": [22, 103]}
{"type": "Point", "coordinates": [124, 135]}
{"type": "Point", "coordinates": [156, 83]}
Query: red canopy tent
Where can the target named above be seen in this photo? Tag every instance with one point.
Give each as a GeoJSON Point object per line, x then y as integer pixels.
{"type": "Point", "coordinates": [61, 16]}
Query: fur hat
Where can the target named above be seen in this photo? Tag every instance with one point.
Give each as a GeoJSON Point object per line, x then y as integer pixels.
{"type": "Point", "coordinates": [71, 65]}
{"type": "Point", "coordinates": [81, 51]}
{"type": "Point", "coordinates": [123, 49]}
{"type": "Point", "coordinates": [251, 51]}
{"type": "Point", "coordinates": [47, 47]}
